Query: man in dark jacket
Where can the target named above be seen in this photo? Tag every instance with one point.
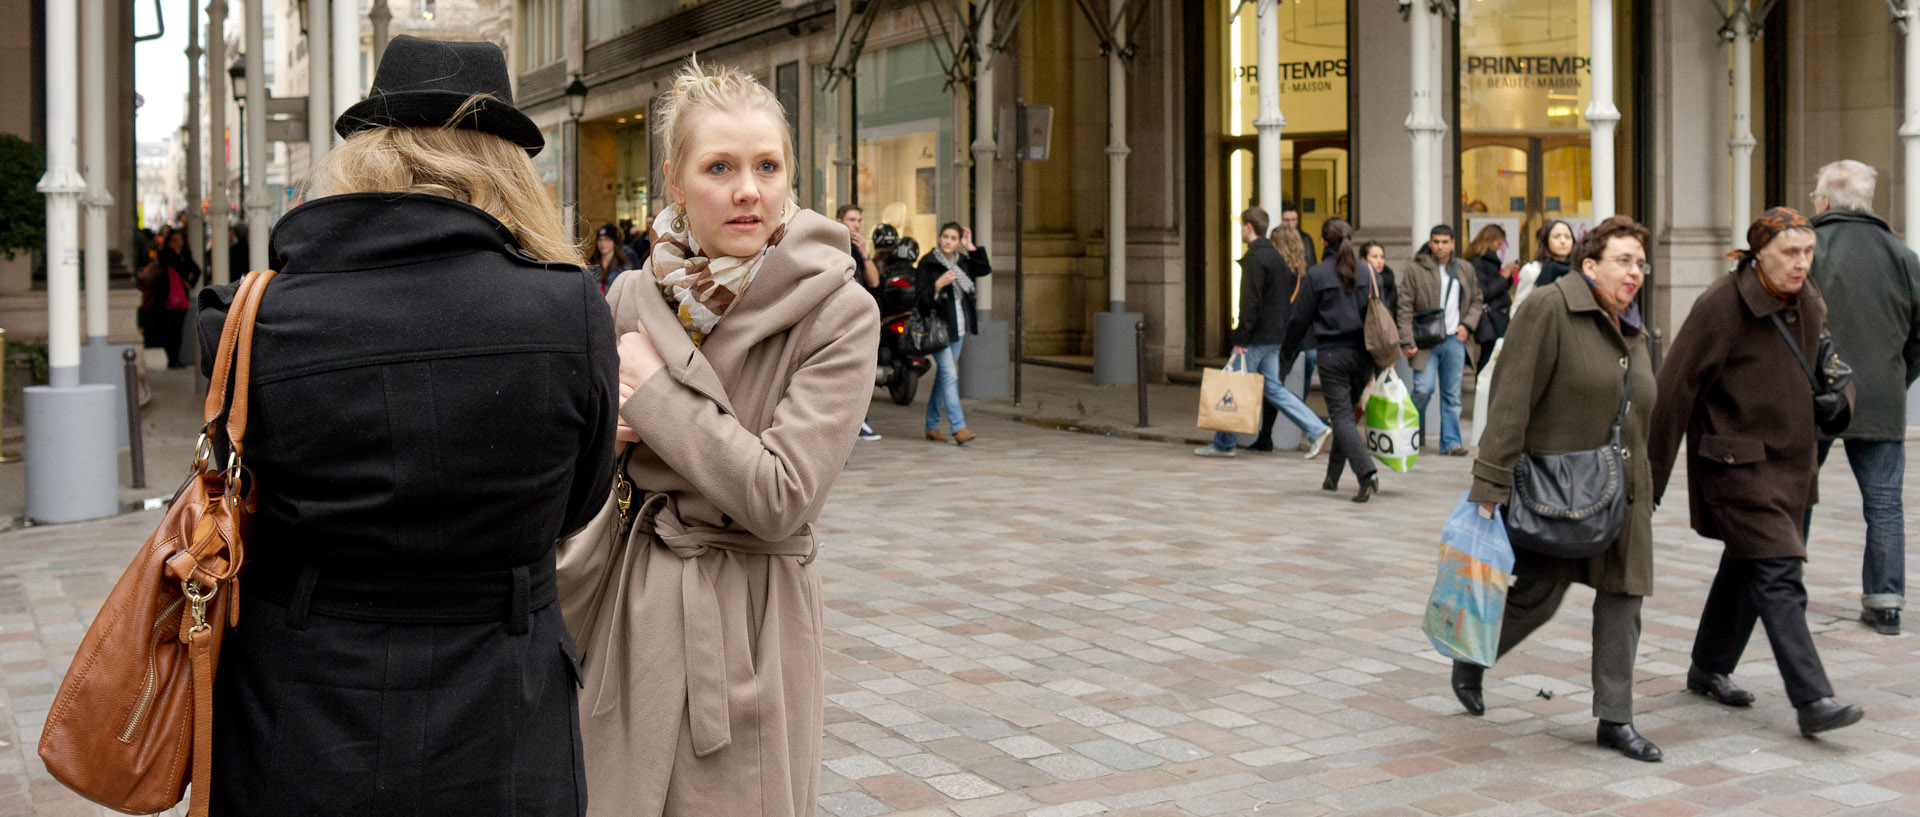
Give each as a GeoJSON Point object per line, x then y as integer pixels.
{"type": "Point", "coordinates": [1872, 286]}
{"type": "Point", "coordinates": [1290, 217]}
{"type": "Point", "coordinates": [1266, 300]}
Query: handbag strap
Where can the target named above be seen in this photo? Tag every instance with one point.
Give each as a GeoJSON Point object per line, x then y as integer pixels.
{"type": "Point", "coordinates": [236, 357]}
{"type": "Point", "coordinates": [1626, 396]}
{"type": "Point", "coordinates": [1799, 355]}
{"type": "Point", "coordinates": [1376, 281]}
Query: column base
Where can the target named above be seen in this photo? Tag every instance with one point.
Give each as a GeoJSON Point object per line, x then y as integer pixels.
{"type": "Point", "coordinates": [100, 362]}
{"type": "Point", "coordinates": [73, 467]}
{"type": "Point", "coordinates": [984, 368]}
{"type": "Point", "coordinates": [1113, 342]}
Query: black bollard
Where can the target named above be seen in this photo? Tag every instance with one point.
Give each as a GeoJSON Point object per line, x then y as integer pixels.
{"type": "Point", "coordinates": [136, 450]}
{"type": "Point", "coordinates": [1140, 367]}
{"type": "Point", "coordinates": [1655, 350]}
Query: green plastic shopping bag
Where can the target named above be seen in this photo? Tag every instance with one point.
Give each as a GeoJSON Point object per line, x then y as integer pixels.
{"type": "Point", "coordinates": [1393, 424]}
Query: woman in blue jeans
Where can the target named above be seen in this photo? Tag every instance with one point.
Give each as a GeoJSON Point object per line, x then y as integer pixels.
{"type": "Point", "coordinates": [948, 276]}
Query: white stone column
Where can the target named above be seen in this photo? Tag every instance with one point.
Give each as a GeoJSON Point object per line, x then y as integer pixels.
{"type": "Point", "coordinates": [1113, 342]}
{"type": "Point", "coordinates": [1424, 124]}
{"type": "Point", "coordinates": [1601, 114]}
{"type": "Point", "coordinates": [258, 208]}
{"type": "Point", "coordinates": [98, 200]}
{"type": "Point", "coordinates": [196, 190]}
{"type": "Point", "coordinates": [347, 88]}
{"type": "Point", "coordinates": [1910, 132]}
{"type": "Point", "coordinates": [1267, 120]}
{"type": "Point", "coordinates": [71, 463]}
{"type": "Point", "coordinates": [217, 126]}
{"type": "Point", "coordinates": [984, 368]}
{"type": "Point", "coordinates": [1741, 142]}
{"type": "Point", "coordinates": [319, 82]}
{"type": "Point", "coordinates": [379, 16]}
{"type": "Point", "coordinates": [845, 129]}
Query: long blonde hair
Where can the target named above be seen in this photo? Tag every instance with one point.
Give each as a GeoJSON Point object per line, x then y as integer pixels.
{"type": "Point", "coordinates": [1292, 250]}
{"type": "Point", "coordinates": [721, 89]}
{"type": "Point", "coordinates": [465, 165]}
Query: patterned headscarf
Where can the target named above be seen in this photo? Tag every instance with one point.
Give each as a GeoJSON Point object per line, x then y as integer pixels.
{"type": "Point", "coordinates": [702, 290]}
{"type": "Point", "coordinates": [1770, 224]}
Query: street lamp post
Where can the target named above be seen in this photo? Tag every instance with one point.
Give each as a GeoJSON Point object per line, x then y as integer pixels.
{"type": "Point", "coordinates": [570, 161]}
{"type": "Point", "coordinates": [237, 72]}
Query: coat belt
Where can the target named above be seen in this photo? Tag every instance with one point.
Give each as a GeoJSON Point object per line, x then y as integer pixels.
{"type": "Point", "coordinates": [701, 631]}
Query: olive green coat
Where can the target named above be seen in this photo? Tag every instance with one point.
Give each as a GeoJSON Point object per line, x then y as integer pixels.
{"type": "Point", "coordinates": [1557, 389]}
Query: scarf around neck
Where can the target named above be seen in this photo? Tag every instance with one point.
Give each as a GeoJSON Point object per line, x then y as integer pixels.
{"type": "Point", "coordinates": [702, 290]}
{"type": "Point", "coordinates": [952, 263]}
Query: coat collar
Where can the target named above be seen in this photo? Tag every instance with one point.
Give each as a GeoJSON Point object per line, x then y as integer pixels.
{"type": "Point", "coordinates": [809, 266]}
{"type": "Point", "coordinates": [1579, 296]}
{"type": "Point", "coordinates": [1846, 216]}
{"type": "Point", "coordinates": [361, 231]}
{"type": "Point", "coordinates": [1758, 300]}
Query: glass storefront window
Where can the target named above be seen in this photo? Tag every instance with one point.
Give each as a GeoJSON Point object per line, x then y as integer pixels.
{"type": "Point", "coordinates": [631, 171]}
{"type": "Point", "coordinates": [607, 19]}
{"type": "Point", "coordinates": [1524, 84]}
{"type": "Point", "coordinates": [904, 123]}
{"type": "Point", "coordinates": [547, 164]}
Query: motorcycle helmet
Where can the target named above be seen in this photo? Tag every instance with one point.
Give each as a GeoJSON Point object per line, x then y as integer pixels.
{"type": "Point", "coordinates": [884, 239]}
{"type": "Point", "coordinates": [907, 250]}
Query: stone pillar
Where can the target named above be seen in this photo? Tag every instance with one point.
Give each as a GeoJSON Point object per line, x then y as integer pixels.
{"type": "Point", "coordinates": [217, 125]}
{"type": "Point", "coordinates": [1267, 120]}
{"type": "Point", "coordinates": [1601, 114]}
{"type": "Point", "coordinates": [99, 360]}
{"type": "Point", "coordinates": [1741, 142]}
{"type": "Point", "coordinates": [258, 207]}
{"type": "Point", "coordinates": [319, 82]}
{"type": "Point", "coordinates": [984, 368]}
{"type": "Point", "coordinates": [1113, 342]}
{"type": "Point", "coordinates": [1910, 131]}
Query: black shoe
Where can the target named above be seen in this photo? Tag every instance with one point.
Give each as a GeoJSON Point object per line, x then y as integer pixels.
{"type": "Point", "coordinates": [1330, 484]}
{"type": "Point", "coordinates": [1825, 714]}
{"type": "Point", "coordinates": [1466, 686]}
{"type": "Point", "coordinates": [1622, 738]}
{"type": "Point", "coordinates": [1885, 620]}
{"type": "Point", "coordinates": [1369, 484]}
{"type": "Point", "coordinates": [1717, 686]}
{"type": "Point", "coordinates": [1262, 446]}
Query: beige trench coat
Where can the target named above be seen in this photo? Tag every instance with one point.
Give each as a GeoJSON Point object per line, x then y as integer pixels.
{"type": "Point", "coordinates": [702, 660]}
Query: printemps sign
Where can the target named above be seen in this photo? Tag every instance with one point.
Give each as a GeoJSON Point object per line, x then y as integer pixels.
{"type": "Point", "coordinates": [1525, 65]}
{"type": "Point", "coordinates": [1313, 65]}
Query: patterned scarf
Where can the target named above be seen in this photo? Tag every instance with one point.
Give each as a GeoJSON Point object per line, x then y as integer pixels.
{"type": "Point", "coordinates": [703, 290]}
{"type": "Point", "coordinates": [952, 263]}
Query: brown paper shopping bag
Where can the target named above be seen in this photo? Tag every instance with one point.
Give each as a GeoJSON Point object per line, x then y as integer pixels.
{"type": "Point", "coordinates": [1230, 398]}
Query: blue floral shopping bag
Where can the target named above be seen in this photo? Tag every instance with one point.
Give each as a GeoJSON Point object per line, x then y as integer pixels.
{"type": "Point", "coordinates": [1470, 588]}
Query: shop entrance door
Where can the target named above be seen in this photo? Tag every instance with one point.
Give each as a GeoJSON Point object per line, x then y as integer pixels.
{"type": "Point", "coordinates": [1522, 180]}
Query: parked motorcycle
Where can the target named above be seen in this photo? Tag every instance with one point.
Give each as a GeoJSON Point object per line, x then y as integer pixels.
{"type": "Point", "coordinates": [900, 366]}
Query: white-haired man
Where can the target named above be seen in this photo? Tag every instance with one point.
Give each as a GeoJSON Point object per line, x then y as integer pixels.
{"type": "Point", "coordinates": [1872, 287]}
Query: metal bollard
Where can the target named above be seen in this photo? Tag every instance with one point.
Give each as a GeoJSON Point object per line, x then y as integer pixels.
{"type": "Point", "coordinates": [1140, 367]}
{"type": "Point", "coordinates": [136, 449]}
{"type": "Point", "coordinates": [1655, 349]}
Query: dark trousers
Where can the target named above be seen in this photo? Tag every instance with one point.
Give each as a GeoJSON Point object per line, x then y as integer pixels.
{"type": "Point", "coordinates": [1344, 374]}
{"type": "Point", "coordinates": [1531, 602]}
{"type": "Point", "coordinates": [1769, 591]}
{"type": "Point", "coordinates": [161, 328]}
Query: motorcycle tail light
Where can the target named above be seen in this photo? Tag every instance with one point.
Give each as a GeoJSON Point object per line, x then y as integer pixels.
{"type": "Point", "coordinates": [897, 327]}
{"type": "Point", "coordinates": [900, 281]}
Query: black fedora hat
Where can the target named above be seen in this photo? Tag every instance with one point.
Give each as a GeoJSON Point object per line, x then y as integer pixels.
{"type": "Point", "coordinates": [422, 84]}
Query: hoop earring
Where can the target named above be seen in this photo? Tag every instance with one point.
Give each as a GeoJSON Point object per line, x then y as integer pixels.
{"type": "Point", "coordinates": [679, 223]}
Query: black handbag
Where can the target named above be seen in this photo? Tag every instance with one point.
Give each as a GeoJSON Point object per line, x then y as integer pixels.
{"type": "Point", "coordinates": [926, 334]}
{"type": "Point", "coordinates": [1430, 328]}
{"type": "Point", "coordinates": [1573, 505]}
{"type": "Point", "coordinates": [1832, 411]}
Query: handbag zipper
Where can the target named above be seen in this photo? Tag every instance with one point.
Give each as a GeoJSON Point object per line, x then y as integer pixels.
{"type": "Point", "coordinates": [153, 671]}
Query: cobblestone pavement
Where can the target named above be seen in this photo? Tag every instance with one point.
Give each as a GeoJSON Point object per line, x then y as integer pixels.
{"type": "Point", "coordinates": [1054, 624]}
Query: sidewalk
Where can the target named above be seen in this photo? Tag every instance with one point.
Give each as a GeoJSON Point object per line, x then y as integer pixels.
{"type": "Point", "coordinates": [171, 425]}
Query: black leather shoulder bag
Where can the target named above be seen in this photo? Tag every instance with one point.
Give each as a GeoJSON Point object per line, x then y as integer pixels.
{"type": "Point", "coordinates": [1573, 505]}
{"type": "Point", "coordinates": [1831, 410]}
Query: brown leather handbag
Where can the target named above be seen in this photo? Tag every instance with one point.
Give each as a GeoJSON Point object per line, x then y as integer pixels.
{"type": "Point", "coordinates": [133, 722]}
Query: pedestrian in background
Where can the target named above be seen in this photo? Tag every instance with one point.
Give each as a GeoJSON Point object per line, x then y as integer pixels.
{"type": "Point", "coordinates": [1553, 245]}
{"type": "Point", "coordinates": [948, 277]}
{"type": "Point", "coordinates": [748, 353]}
{"type": "Point", "coordinates": [1496, 280]}
{"type": "Point", "coordinates": [609, 257]}
{"type": "Point", "coordinates": [1290, 218]}
{"type": "Point", "coordinates": [439, 391]}
{"type": "Point", "coordinates": [1266, 302]}
{"type": "Point", "coordinates": [1332, 306]}
{"type": "Point", "coordinates": [1561, 391]}
{"type": "Point", "coordinates": [867, 272]}
{"type": "Point", "coordinates": [1292, 249]}
{"type": "Point", "coordinates": [1871, 283]}
{"type": "Point", "coordinates": [1733, 387]}
{"type": "Point", "coordinates": [164, 284]}
{"type": "Point", "coordinates": [1439, 283]}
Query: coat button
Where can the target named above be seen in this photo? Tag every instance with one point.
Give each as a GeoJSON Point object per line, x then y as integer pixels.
{"type": "Point", "coordinates": [1626, 453]}
{"type": "Point", "coordinates": [1728, 459]}
{"type": "Point", "coordinates": [1623, 363]}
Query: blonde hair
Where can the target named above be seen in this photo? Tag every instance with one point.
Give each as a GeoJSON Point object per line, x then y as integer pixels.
{"type": "Point", "coordinates": [723, 88]}
{"type": "Point", "coordinates": [465, 165]}
{"type": "Point", "coordinates": [1292, 249]}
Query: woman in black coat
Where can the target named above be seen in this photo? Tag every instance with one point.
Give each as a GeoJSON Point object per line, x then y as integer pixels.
{"type": "Point", "coordinates": [946, 283]}
{"type": "Point", "coordinates": [1495, 282]}
{"type": "Point", "coordinates": [1332, 305]}
{"type": "Point", "coordinates": [432, 406]}
{"type": "Point", "coordinates": [164, 285]}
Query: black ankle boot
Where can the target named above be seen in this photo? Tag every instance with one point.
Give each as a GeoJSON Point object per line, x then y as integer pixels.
{"type": "Point", "coordinates": [1330, 484]}
{"type": "Point", "coordinates": [1622, 738]}
{"type": "Point", "coordinates": [1369, 485]}
{"type": "Point", "coordinates": [1466, 686]}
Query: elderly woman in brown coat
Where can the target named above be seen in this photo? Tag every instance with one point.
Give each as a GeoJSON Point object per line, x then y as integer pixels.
{"type": "Point", "coordinates": [1560, 392]}
{"type": "Point", "coordinates": [745, 369]}
{"type": "Point", "coordinates": [1733, 386]}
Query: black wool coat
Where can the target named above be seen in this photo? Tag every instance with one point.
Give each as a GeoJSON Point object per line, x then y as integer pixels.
{"type": "Point", "coordinates": [1871, 283]}
{"type": "Point", "coordinates": [939, 302]}
{"type": "Point", "coordinates": [1496, 297]}
{"type": "Point", "coordinates": [431, 409]}
{"type": "Point", "coordinates": [1267, 291]}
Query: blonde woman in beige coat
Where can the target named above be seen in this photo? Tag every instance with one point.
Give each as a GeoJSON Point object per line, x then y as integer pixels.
{"type": "Point", "coordinates": [746, 365]}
